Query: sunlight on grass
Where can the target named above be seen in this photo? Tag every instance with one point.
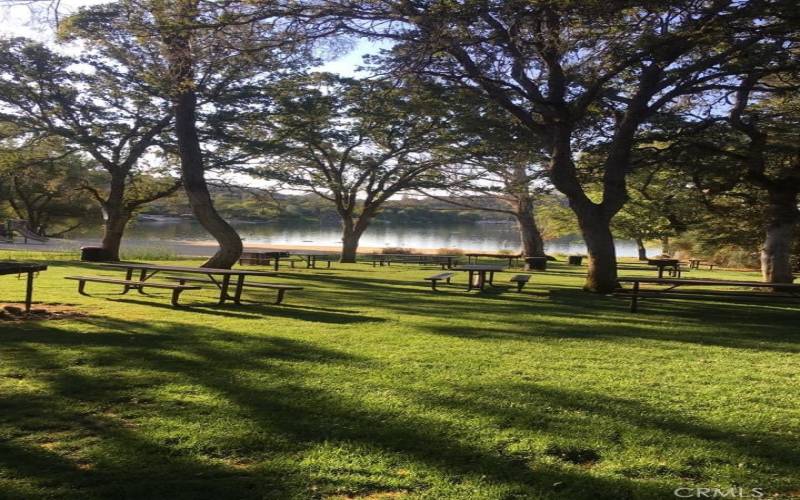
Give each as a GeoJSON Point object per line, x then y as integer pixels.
{"type": "Point", "coordinates": [367, 384]}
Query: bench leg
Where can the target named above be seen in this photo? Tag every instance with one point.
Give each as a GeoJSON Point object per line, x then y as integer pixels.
{"type": "Point", "coordinates": [520, 284]}
{"type": "Point", "coordinates": [433, 285]}
{"type": "Point", "coordinates": [447, 281]}
{"type": "Point", "coordinates": [176, 293]}
{"type": "Point", "coordinates": [281, 293]}
{"type": "Point", "coordinates": [634, 296]}
{"type": "Point", "coordinates": [128, 277]}
{"type": "Point", "coordinates": [29, 292]}
{"type": "Point", "coordinates": [142, 276]}
{"type": "Point", "coordinates": [81, 287]}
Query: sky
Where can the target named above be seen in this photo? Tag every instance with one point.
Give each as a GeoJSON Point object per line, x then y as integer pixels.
{"type": "Point", "coordinates": [19, 20]}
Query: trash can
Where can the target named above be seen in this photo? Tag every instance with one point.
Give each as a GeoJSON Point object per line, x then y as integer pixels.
{"type": "Point", "coordinates": [575, 260]}
{"type": "Point", "coordinates": [536, 263]}
{"type": "Point", "coordinates": [95, 254]}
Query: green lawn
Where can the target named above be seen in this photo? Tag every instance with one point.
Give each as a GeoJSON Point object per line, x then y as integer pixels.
{"type": "Point", "coordinates": [368, 385]}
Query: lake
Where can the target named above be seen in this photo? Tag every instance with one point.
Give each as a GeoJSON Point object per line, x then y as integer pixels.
{"type": "Point", "coordinates": [482, 237]}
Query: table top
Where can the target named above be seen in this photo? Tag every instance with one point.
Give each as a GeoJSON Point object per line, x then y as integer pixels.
{"type": "Point", "coordinates": [190, 269]}
{"type": "Point", "coordinates": [479, 267]}
{"type": "Point", "coordinates": [657, 262]}
{"type": "Point", "coordinates": [496, 255]}
{"type": "Point", "coordinates": [684, 281]}
{"type": "Point", "coordinates": [12, 267]}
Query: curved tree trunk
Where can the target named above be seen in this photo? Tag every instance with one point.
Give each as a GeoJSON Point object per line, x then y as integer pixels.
{"type": "Point", "coordinates": [641, 249]}
{"type": "Point", "coordinates": [530, 237]}
{"type": "Point", "coordinates": [596, 230]}
{"type": "Point", "coordinates": [116, 216]}
{"type": "Point", "coordinates": [776, 253]}
{"type": "Point", "coordinates": [113, 231]}
{"type": "Point", "coordinates": [351, 234]}
{"type": "Point", "coordinates": [191, 155]}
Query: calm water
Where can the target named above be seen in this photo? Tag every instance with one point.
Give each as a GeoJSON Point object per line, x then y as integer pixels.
{"type": "Point", "coordinates": [487, 237]}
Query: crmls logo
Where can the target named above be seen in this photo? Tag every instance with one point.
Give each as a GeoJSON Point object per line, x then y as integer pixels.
{"type": "Point", "coordinates": [719, 493]}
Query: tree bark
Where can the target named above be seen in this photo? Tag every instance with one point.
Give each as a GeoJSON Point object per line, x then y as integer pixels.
{"type": "Point", "coordinates": [114, 229]}
{"type": "Point", "coordinates": [596, 230]}
{"type": "Point", "coordinates": [351, 234]}
{"type": "Point", "coordinates": [191, 155]}
{"type": "Point", "coordinates": [530, 237]}
{"type": "Point", "coordinates": [641, 249]}
{"type": "Point", "coordinates": [776, 253]}
{"type": "Point", "coordinates": [116, 216]}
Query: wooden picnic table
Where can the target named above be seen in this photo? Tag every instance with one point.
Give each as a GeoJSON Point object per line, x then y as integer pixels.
{"type": "Point", "coordinates": [20, 268]}
{"type": "Point", "coordinates": [672, 264]}
{"type": "Point", "coordinates": [249, 257]}
{"type": "Point", "coordinates": [220, 277]}
{"type": "Point", "coordinates": [478, 274]}
{"type": "Point", "coordinates": [472, 258]}
{"type": "Point", "coordinates": [790, 289]}
{"type": "Point", "coordinates": [446, 261]}
{"type": "Point", "coordinates": [311, 257]}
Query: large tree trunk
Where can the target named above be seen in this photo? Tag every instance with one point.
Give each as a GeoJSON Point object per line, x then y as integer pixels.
{"type": "Point", "coordinates": [113, 231]}
{"type": "Point", "coordinates": [776, 253]}
{"type": "Point", "coordinates": [530, 237]}
{"type": "Point", "coordinates": [641, 249]}
{"type": "Point", "coordinates": [351, 234]}
{"type": "Point", "coordinates": [596, 230]}
{"type": "Point", "coordinates": [593, 219]}
{"type": "Point", "coordinates": [116, 216]}
{"type": "Point", "coordinates": [191, 155]}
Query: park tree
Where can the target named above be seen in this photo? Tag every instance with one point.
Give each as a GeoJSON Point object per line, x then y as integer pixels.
{"type": "Point", "coordinates": [500, 169]}
{"type": "Point", "coordinates": [354, 143]}
{"type": "Point", "coordinates": [573, 73]}
{"type": "Point", "coordinates": [41, 181]}
{"type": "Point", "coordinates": [96, 108]}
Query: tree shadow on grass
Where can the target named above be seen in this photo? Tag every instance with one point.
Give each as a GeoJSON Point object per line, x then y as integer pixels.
{"type": "Point", "coordinates": [137, 445]}
{"type": "Point", "coordinates": [618, 423]}
{"type": "Point", "coordinates": [260, 311]}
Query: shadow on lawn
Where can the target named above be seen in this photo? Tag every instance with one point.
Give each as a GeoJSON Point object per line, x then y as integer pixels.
{"type": "Point", "coordinates": [96, 433]}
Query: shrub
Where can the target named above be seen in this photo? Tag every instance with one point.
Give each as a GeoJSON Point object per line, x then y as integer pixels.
{"type": "Point", "coordinates": [397, 250]}
{"type": "Point", "coordinates": [449, 251]}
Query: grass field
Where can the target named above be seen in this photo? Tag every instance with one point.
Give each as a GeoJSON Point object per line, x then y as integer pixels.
{"type": "Point", "coordinates": [368, 385]}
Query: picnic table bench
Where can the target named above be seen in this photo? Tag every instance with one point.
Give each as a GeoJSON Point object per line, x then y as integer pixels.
{"type": "Point", "coordinates": [132, 284]}
{"type": "Point", "coordinates": [445, 261]}
{"type": "Point", "coordinates": [282, 289]}
{"type": "Point", "coordinates": [219, 277]}
{"type": "Point", "coordinates": [439, 277]}
{"type": "Point", "coordinates": [19, 268]}
{"type": "Point", "coordinates": [779, 290]}
{"type": "Point", "coordinates": [521, 280]}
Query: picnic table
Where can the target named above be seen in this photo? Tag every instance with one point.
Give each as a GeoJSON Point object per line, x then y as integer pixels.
{"type": "Point", "coordinates": [311, 258]}
{"type": "Point", "coordinates": [23, 268]}
{"type": "Point", "coordinates": [446, 261]}
{"type": "Point", "coordinates": [672, 264]}
{"type": "Point", "coordinates": [480, 274]}
{"type": "Point", "coordinates": [263, 258]}
{"type": "Point", "coordinates": [219, 277]}
{"type": "Point", "coordinates": [472, 258]}
{"type": "Point", "coordinates": [785, 290]}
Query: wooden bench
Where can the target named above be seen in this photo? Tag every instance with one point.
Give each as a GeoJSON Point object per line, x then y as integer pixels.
{"type": "Point", "coordinates": [133, 284]}
{"type": "Point", "coordinates": [778, 290]}
{"type": "Point", "coordinates": [282, 289]}
{"type": "Point", "coordinates": [521, 280]}
{"type": "Point", "coordinates": [438, 277]}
